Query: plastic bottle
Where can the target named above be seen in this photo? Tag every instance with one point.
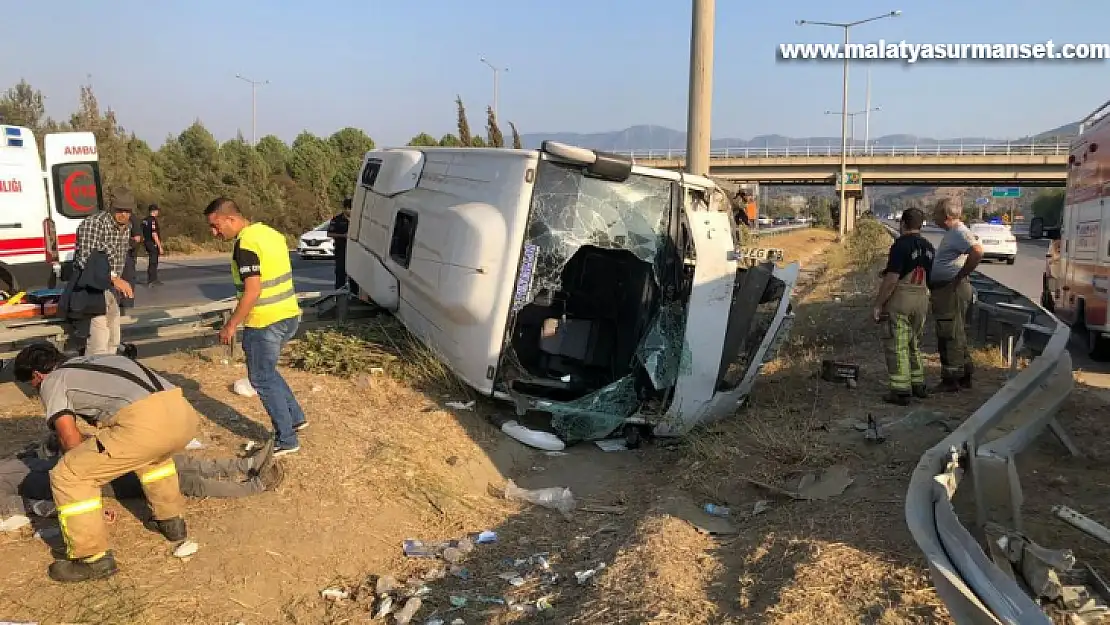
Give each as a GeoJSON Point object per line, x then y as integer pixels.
{"type": "Point", "coordinates": [716, 510]}
{"type": "Point", "coordinates": [405, 615]}
{"type": "Point", "coordinates": [555, 498]}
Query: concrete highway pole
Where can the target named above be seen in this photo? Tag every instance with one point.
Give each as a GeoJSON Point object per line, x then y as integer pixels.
{"type": "Point", "coordinates": [699, 113]}
{"type": "Point", "coordinates": [844, 228]}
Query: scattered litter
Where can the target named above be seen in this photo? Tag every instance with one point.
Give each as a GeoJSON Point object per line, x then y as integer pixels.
{"type": "Point", "coordinates": [760, 506]}
{"type": "Point", "coordinates": [587, 575]}
{"type": "Point", "coordinates": [1082, 523]}
{"type": "Point", "coordinates": [493, 600]}
{"type": "Point", "coordinates": [682, 507]}
{"type": "Point", "coordinates": [533, 438]}
{"type": "Point", "coordinates": [460, 572]}
{"type": "Point", "coordinates": [457, 601]}
{"type": "Point", "coordinates": [417, 549]}
{"type": "Point", "coordinates": [376, 370]}
{"type": "Point", "coordinates": [486, 537]}
{"type": "Point", "coordinates": [459, 405]}
{"type": "Point", "coordinates": [716, 510]}
{"type": "Point", "coordinates": [832, 371]}
{"type": "Point", "coordinates": [385, 585]}
{"type": "Point", "coordinates": [316, 388]}
{"type": "Point", "coordinates": [186, 549]}
{"type": "Point", "coordinates": [385, 606]}
{"type": "Point", "coordinates": [458, 621]}
{"type": "Point", "coordinates": [249, 446]}
{"type": "Point", "coordinates": [334, 594]}
{"type": "Point", "coordinates": [555, 454]}
{"type": "Point", "coordinates": [513, 578]}
{"type": "Point", "coordinates": [555, 498]}
{"type": "Point", "coordinates": [243, 387]}
{"type": "Point", "coordinates": [434, 621]}
{"type": "Point", "coordinates": [832, 482]}
{"type": "Point", "coordinates": [612, 444]}
{"type": "Point", "coordinates": [14, 522]}
{"type": "Point", "coordinates": [194, 445]}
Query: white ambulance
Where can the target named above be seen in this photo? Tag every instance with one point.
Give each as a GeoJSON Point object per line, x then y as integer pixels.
{"type": "Point", "coordinates": [595, 294]}
{"type": "Point", "coordinates": [42, 201]}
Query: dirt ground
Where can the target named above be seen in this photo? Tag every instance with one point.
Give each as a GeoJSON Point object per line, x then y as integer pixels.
{"type": "Point", "coordinates": [384, 462]}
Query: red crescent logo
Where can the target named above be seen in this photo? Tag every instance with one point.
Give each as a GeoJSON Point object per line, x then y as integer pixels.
{"type": "Point", "coordinates": [68, 188]}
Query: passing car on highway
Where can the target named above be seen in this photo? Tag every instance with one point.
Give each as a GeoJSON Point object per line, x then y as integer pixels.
{"type": "Point", "coordinates": [765, 221]}
{"type": "Point", "coordinates": [316, 243]}
{"type": "Point", "coordinates": [998, 241]}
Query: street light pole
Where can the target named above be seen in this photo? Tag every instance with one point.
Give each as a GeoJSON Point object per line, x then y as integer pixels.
{"type": "Point", "coordinates": [699, 108]}
{"type": "Point", "coordinates": [852, 125]}
{"type": "Point", "coordinates": [254, 105]}
{"type": "Point", "coordinates": [844, 226]}
{"type": "Point", "coordinates": [496, 83]}
{"type": "Point", "coordinates": [867, 117]}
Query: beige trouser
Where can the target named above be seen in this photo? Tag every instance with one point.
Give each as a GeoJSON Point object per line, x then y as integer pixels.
{"type": "Point", "coordinates": [103, 330]}
{"type": "Point", "coordinates": [901, 333]}
{"type": "Point", "coordinates": [142, 438]}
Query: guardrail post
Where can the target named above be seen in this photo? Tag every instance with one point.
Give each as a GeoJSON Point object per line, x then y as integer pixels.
{"type": "Point", "coordinates": [998, 495]}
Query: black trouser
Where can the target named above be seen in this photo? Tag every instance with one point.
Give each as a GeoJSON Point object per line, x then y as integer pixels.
{"type": "Point", "coordinates": [340, 266]}
{"type": "Point", "coordinates": [129, 276]}
{"type": "Point", "coordinates": [152, 255]}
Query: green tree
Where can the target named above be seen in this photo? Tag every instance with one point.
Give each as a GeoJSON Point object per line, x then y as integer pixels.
{"type": "Point", "coordinates": [493, 132]}
{"type": "Point", "coordinates": [350, 143]}
{"type": "Point", "coordinates": [1049, 206]}
{"type": "Point", "coordinates": [312, 166]}
{"type": "Point", "coordinates": [516, 137]}
{"type": "Point", "coordinates": [450, 141]}
{"type": "Point", "coordinates": [23, 105]}
{"type": "Point", "coordinates": [477, 142]}
{"type": "Point", "coordinates": [423, 140]}
{"type": "Point", "coordinates": [274, 153]}
{"type": "Point", "coordinates": [464, 125]}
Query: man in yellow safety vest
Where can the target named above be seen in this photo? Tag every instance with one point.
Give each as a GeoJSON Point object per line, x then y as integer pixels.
{"type": "Point", "coordinates": [267, 310]}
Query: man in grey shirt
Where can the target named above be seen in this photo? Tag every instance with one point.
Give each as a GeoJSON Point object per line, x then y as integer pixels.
{"type": "Point", "coordinates": [951, 294]}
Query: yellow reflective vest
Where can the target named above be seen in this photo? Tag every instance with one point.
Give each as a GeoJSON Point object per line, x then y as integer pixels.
{"type": "Point", "coordinates": [278, 300]}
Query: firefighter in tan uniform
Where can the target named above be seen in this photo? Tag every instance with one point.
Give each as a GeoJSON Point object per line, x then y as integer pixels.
{"type": "Point", "coordinates": [902, 306]}
{"type": "Point", "coordinates": [141, 421]}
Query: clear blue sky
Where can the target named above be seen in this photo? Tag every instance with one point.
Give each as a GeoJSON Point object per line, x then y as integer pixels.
{"type": "Point", "coordinates": [393, 68]}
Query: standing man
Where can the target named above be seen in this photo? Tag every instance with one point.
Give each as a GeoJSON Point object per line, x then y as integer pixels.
{"type": "Point", "coordinates": [337, 231]}
{"type": "Point", "coordinates": [901, 307]}
{"type": "Point", "coordinates": [152, 241]}
{"type": "Point", "coordinates": [268, 310]}
{"type": "Point", "coordinates": [956, 258]}
{"type": "Point", "coordinates": [107, 232]}
{"type": "Point", "coordinates": [141, 421]}
{"type": "Point", "coordinates": [130, 273]}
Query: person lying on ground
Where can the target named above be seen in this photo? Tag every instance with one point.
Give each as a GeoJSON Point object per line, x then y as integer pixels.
{"type": "Point", "coordinates": [25, 479]}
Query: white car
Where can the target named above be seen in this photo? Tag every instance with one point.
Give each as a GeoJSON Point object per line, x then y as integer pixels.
{"type": "Point", "coordinates": [765, 221]}
{"type": "Point", "coordinates": [998, 241]}
{"type": "Point", "coordinates": [316, 243]}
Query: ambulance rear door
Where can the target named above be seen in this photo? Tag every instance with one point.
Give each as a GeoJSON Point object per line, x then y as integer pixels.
{"type": "Point", "coordinates": [23, 205]}
{"type": "Point", "coordinates": [72, 183]}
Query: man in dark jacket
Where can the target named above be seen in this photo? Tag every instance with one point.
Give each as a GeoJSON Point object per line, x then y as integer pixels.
{"type": "Point", "coordinates": [337, 230]}
{"type": "Point", "coordinates": [152, 241]}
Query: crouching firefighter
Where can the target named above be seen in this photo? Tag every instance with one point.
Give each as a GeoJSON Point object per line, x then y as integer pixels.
{"type": "Point", "coordinates": [901, 308]}
{"type": "Point", "coordinates": [141, 421]}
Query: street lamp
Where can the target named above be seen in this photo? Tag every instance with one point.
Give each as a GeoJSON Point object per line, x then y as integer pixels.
{"type": "Point", "coordinates": [254, 104]}
{"type": "Point", "coordinates": [852, 131]}
{"type": "Point", "coordinates": [847, 26]}
{"type": "Point", "coordinates": [496, 73]}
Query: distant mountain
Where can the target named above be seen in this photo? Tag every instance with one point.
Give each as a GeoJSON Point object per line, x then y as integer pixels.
{"type": "Point", "coordinates": [662, 138]}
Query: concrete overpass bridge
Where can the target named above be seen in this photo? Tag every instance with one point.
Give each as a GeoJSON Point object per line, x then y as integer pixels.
{"type": "Point", "coordinates": [1003, 165]}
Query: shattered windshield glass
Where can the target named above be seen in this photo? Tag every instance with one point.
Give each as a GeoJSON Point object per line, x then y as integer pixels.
{"type": "Point", "coordinates": [587, 308]}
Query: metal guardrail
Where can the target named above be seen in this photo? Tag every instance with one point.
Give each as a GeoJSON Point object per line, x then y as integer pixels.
{"type": "Point", "coordinates": [973, 587]}
{"type": "Point", "coordinates": [158, 325]}
{"type": "Point", "coordinates": [937, 149]}
{"type": "Point", "coordinates": [771, 231]}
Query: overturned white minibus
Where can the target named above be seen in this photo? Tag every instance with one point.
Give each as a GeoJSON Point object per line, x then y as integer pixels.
{"type": "Point", "coordinates": [607, 296]}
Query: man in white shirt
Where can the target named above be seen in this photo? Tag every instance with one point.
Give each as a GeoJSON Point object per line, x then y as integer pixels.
{"type": "Point", "coordinates": [951, 294]}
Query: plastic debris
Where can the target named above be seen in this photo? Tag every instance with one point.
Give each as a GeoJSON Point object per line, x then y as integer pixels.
{"type": "Point", "coordinates": [458, 621]}
{"type": "Point", "coordinates": [585, 576]}
{"type": "Point", "coordinates": [459, 405]}
{"type": "Point", "coordinates": [457, 601]}
{"type": "Point", "coordinates": [194, 445]}
{"type": "Point", "coordinates": [760, 506]}
{"type": "Point", "coordinates": [417, 549]}
{"type": "Point", "coordinates": [434, 621]}
{"type": "Point", "coordinates": [186, 549]}
{"type": "Point", "coordinates": [243, 387]}
{"type": "Point", "coordinates": [555, 498]}
{"type": "Point", "coordinates": [385, 585]}
{"type": "Point", "coordinates": [385, 606]}
{"type": "Point", "coordinates": [460, 572]}
{"type": "Point", "coordinates": [486, 537]}
{"type": "Point", "coordinates": [612, 444]}
{"type": "Point", "coordinates": [715, 510]}
{"type": "Point", "coordinates": [334, 594]}
{"type": "Point", "coordinates": [405, 614]}
{"type": "Point", "coordinates": [14, 522]}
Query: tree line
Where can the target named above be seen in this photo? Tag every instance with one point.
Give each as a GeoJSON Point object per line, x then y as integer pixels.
{"type": "Point", "coordinates": [291, 187]}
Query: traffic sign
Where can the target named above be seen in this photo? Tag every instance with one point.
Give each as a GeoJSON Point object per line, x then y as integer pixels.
{"type": "Point", "coordinates": [982, 201]}
{"type": "Point", "coordinates": [1006, 192]}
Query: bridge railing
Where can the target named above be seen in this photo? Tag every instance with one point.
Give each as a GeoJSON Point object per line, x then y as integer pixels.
{"type": "Point", "coordinates": [938, 149]}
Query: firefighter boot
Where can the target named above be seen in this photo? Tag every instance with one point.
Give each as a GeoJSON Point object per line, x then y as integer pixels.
{"type": "Point", "coordinates": [949, 385]}
{"type": "Point", "coordinates": [898, 398]}
{"type": "Point", "coordinates": [920, 391]}
{"type": "Point", "coordinates": [84, 569]}
{"type": "Point", "coordinates": [172, 529]}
